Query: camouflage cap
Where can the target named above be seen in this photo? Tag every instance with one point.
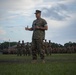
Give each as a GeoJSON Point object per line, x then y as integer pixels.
{"type": "Point", "coordinates": [37, 11]}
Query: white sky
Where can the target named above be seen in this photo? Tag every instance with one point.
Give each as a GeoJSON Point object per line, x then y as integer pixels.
{"type": "Point", "coordinates": [17, 14]}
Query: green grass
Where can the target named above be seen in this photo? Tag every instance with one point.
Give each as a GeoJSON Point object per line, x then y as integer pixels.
{"type": "Point", "coordinates": [56, 64]}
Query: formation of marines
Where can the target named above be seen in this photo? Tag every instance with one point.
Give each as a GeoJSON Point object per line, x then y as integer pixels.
{"type": "Point", "coordinates": [26, 49]}
{"type": "Point", "coordinates": [23, 49]}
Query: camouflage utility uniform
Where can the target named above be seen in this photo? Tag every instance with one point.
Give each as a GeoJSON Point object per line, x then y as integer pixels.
{"type": "Point", "coordinates": [49, 48]}
{"type": "Point", "coordinates": [46, 48]}
{"type": "Point", "coordinates": [27, 49]}
{"type": "Point", "coordinates": [37, 38]}
{"type": "Point", "coordinates": [19, 51]}
{"type": "Point", "coordinates": [23, 48]}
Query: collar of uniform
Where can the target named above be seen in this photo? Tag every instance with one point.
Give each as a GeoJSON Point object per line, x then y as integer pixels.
{"type": "Point", "coordinates": [38, 18]}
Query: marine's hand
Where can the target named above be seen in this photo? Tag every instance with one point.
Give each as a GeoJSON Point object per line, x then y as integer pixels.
{"type": "Point", "coordinates": [26, 28]}
{"type": "Point", "coordinates": [30, 29]}
{"type": "Point", "coordinates": [37, 27]}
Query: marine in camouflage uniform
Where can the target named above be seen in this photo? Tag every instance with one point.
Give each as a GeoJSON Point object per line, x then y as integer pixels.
{"type": "Point", "coordinates": [46, 47]}
{"type": "Point", "coordinates": [19, 52]}
{"type": "Point", "coordinates": [27, 49]}
{"type": "Point", "coordinates": [39, 26]}
{"type": "Point", "coordinates": [49, 47]}
{"type": "Point", "coordinates": [23, 48]}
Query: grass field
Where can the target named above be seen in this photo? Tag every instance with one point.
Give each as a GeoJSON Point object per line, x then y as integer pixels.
{"type": "Point", "coordinates": [56, 64]}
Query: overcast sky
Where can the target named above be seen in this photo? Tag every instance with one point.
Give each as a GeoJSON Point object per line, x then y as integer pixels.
{"type": "Point", "coordinates": [60, 15]}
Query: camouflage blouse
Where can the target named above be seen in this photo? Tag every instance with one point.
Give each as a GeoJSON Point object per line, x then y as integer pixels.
{"type": "Point", "coordinates": [37, 33]}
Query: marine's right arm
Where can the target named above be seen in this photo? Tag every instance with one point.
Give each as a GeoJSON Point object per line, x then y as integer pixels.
{"type": "Point", "coordinates": [30, 29]}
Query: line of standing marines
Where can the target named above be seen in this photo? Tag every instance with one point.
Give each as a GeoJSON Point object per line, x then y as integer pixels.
{"type": "Point", "coordinates": [26, 49]}
{"type": "Point", "coordinates": [23, 49]}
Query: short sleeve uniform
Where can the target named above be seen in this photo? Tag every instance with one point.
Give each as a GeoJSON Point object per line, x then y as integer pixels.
{"type": "Point", "coordinates": [38, 33]}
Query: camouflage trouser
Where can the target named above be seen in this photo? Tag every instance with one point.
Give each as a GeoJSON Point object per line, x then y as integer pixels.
{"type": "Point", "coordinates": [46, 51]}
{"type": "Point", "coordinates": [37, 47]}
{"type": "Point", "coordinates": [19, 52]}
{"type": "Point", "coordinates": [27, 52]}
{"type": "Point", "coordinates": [23, 51]}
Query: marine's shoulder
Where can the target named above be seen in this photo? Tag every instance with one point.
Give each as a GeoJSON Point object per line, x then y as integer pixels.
{"type": "Point", "coordinates": [43, 19]}
{"type": "Point", "coordinates": [40, 19]}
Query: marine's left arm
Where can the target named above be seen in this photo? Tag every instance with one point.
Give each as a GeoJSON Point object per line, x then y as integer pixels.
{"type": "Point", "coordinates": [45, 26]}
